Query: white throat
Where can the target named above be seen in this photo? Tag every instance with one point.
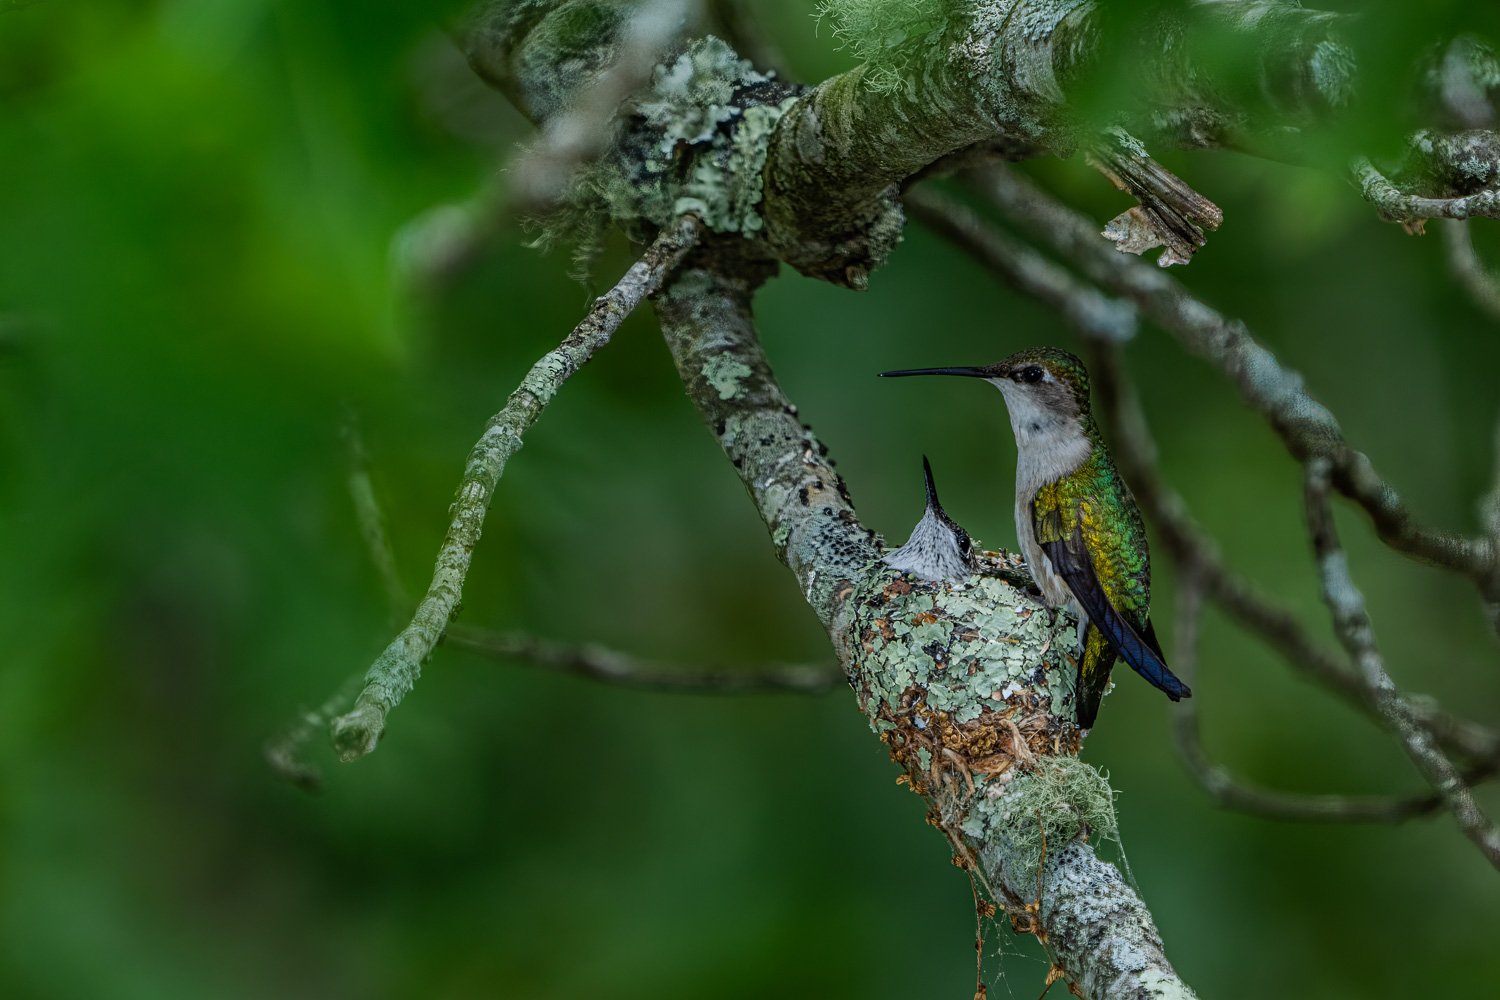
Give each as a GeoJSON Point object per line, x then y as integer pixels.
{"type": "Point", "coordinates": [1048, 445]}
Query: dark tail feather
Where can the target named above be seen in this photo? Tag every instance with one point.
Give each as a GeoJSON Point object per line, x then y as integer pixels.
{"type": "Point", "coordinates": [1158, 673]}
{"type": "Point", "coordinates": [1168, 683]}
{"type": "Point", "coordinates": [1147, 662]}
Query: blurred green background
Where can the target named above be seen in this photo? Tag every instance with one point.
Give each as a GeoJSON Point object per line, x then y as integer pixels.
{"type": "Point", "coordinates": [198, 210]}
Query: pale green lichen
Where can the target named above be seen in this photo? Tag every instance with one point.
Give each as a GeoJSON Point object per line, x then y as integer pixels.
{"type": "Point", "coordinates": [889, 36]}
{"type": "Point", "coordinates": [965, 648]}
{"type": "Point", "coordinates": [696, 143]}
{"type": "Point", "coordinates": [724, 374]}
{"type": "Point", "coordinates": [696, 109]}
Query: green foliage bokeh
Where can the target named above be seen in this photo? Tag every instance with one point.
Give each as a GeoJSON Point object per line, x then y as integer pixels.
{"type": "Point", "coordinates": [201, 213]}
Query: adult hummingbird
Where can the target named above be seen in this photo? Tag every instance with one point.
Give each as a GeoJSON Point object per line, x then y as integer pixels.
{"type": "Point", "coordinates": [1078, 526]}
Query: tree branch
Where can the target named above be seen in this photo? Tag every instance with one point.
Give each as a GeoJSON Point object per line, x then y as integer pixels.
{"type": "Point", "coordinates": [1347, 606]}
{"type": "Point", "coordinates": [392, 675]}
{"type": "Point", "coordinates": [1082, 306]}
{"type": "Point", "coordinates": [1232, 792]}
{"type": "Point", "coordinates": [811, 175]}
{"type": "Point", "coordinates": [1482, 286]}
{"type": "Point", "coordinates": [369, 517]}
{"type": "Point", "coordinates": [577, 132]}
{"type": "Point", "coordinates": [967, 684]}
{"type": "Point", "coordinates": [598, 663]}
{"type": "Point", "coordinates": [1412, 210]}
{"type": "Point", "coordinates": [1199, 557]}
{"type": "Point", "coordinates": [285, 752]}
{"type": "Point", "coordinates": [705, 318]}
{"type": "Point", "coordinates": [1489, 515]}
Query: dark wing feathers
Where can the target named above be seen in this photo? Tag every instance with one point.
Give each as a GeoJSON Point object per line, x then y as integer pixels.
{"type": "Point", "coordinates": [1070, 558]}
{"type": "Point", "coordinates": [1150, 636]}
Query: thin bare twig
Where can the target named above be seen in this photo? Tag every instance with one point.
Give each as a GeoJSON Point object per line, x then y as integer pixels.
{"type": "Point", "coordinates": [393, 674]}
{"type": "Point", "coordinates": [1080, 304]}
{"type": "Point", "coordinates": [285, 752]}
{"type": "Point", "coordinates": [1193, 550]}
{"type": "Point", "coordinates": [598, 663]}
{"type": "Point", "coordinates": [1233, 792]}
{"type": "Point", "coordinates": [370, 518]}
{"type": "Point", "coordinates": [1489, 516]}
{"type": "Point", "coordinates": [443, 240]}
{"type": "Point", "coordinates": [1483, 286]}
{"type": "Point", "coordinates": [1352, 624]}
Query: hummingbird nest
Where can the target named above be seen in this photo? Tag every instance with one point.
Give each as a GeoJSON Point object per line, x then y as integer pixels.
{"type": "Point", "coordinates": [971, 687]}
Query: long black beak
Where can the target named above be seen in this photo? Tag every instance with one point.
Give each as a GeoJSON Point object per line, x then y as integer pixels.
{"type": "Point", "coordinates": [970, 372]}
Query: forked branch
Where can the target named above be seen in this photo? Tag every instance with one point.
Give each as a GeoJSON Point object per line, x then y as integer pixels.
{"type": "Point", "coordinates": [1351, 622]}
{"type": "Point", "coordinates": [388, 680]}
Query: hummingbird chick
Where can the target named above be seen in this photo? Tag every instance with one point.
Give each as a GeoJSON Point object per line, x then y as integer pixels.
{"type": "Point", "coordinates": [938, 549]}
{"type": "Point", "coordinates": [1078, 526]}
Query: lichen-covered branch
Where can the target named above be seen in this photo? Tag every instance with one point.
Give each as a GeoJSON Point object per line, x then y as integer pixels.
{"type": "Point", "coordinates": [284, 752]}
{"type": "Point", "coordinates": [992, 69]}
{"type": "Point", "coordinates": [1398, 205]}
{"type": "Point", "coordinates": [356, 732]}
{"type": "Point", "coordinates": [705, 317]}
{"type": "Point", "coordinates": [968, 684]}
{"type": "Point", "coordinates": [578, 132]}
{"type": "Point", "coordinates": [811, 174]}
{"type": "Point", "coordinates": [1097, 318]}
{"type": "Point", "coordinates": [1352, 624]}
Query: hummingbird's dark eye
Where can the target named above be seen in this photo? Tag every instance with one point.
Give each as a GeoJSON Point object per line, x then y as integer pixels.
{"type": "Point", "coordinates": [1031, 374]}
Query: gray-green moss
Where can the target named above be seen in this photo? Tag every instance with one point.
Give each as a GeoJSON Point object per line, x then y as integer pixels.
{"type": "Point", "coordinates": [1059, 801]}
{"type": "Point", "coordinates": [565, 50]}
{"type": "Point", "coordinates": [888, 36]}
